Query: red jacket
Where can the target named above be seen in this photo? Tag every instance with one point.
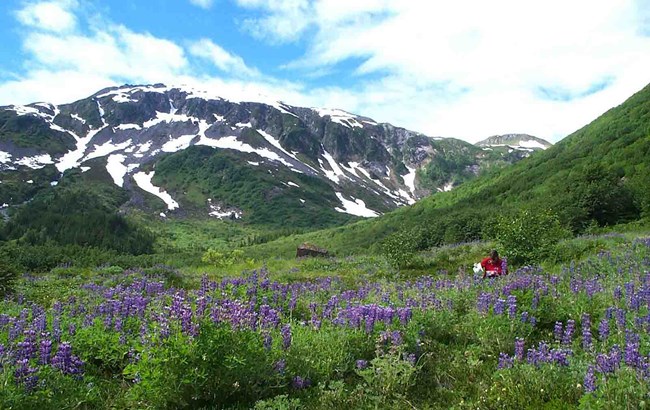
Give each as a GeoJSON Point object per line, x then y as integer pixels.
{"type": "Point", "coordinates": [492, 266]}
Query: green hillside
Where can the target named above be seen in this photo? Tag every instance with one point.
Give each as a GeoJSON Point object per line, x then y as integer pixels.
{"type": "Point", "coordinates": [597, 176]}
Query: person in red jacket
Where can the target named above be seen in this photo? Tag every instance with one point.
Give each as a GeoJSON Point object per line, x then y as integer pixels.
{"type": "Point", "coordinates": [493, 265]}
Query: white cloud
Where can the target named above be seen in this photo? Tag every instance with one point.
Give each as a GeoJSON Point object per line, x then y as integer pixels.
{"type": "Point", "coordinates": [50, 15]}
{"type": "Point", "coordinates": [204, 4]}
{"type": "Point", "coordinates": [225, 61]}
{"type": "Point", "coordinates": [464, 69]}
{"type": "Point", "coordinates": [472, 68]}
{"type": "Point", "coordinates": [285, 21]}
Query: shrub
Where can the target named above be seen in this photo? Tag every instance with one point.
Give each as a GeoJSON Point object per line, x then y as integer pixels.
{"type": "Point", "coordinates": [8, 274]}
{"type": "Point", "coordinates": [399, 249]}
{"type": "Point", "coordinates": [225, 259]}
{"type": "Point", "coordinates": [528, 236]}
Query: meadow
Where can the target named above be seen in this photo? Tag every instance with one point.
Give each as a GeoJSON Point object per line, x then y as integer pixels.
{"type": "Point", "coordinates": [350, 332]}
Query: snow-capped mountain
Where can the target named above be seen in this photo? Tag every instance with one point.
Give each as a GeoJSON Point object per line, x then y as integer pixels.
{"type": "Point", "coordinates": [139, 136]}
{"type": "Point", "coordinates": [519, 142]}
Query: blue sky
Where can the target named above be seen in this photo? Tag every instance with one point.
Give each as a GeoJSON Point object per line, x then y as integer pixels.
{"type": "Point", "coordinates": [466, 69]}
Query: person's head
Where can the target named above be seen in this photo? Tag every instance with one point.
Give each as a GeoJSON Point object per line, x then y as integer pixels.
{"type": "Point", "coordinates": [494, 255]}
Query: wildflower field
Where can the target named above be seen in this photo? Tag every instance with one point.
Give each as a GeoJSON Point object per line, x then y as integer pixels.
{"type": "Point", "coordinates": [573, 337]}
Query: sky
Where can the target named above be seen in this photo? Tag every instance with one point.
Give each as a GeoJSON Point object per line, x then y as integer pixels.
{"type": "Point", "coordinates": [465, 69]}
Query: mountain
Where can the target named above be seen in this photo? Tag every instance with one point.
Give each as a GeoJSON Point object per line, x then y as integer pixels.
{"type": "Point", "coordinates": [183, 151]}
{"type": "Point", "coordinates": [597, 176]}
{"type": "Point", "coordinates": [516, 142]}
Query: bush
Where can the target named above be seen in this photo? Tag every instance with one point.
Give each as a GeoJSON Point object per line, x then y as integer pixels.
{"type": "Point", "coordinates": [399, 249]}
{"type": "Point", "coordinates": [8, 274]}
{"type": "Point", "coordinates": [528, 236]}
{"type": "Point", "coordinates": [225, 259]}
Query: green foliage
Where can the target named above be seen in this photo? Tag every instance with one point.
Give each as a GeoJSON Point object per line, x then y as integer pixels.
{"type": "Point", "coordinates": [563, 178]}
{"type": "Point", "coordinates": [281, 402]}
{"type": "Point", "coordinates": [225, 259]}
{"type": "Point", "coordinates": [8, 274]}
{"type": "Point", "coordinates": [30, 131]}
{"type": "Point", "coordinates": [220, 366]}
{"type": "Point", "coordinates": [81, 216]}
{"type": "Point", "coordinates": [528, 236]}
{"type": "Point", "coordinates": [204, 173]}
{"type": "Point", "coordinates": [593, 194]}
{"type": "Point", "coordinates": [387, 380]}
{"type": "Point", "coordinates": [399, 249]}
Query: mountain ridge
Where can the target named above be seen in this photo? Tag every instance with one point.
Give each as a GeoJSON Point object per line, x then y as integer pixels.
{"type": "Point", "coordinates": [370, 167]}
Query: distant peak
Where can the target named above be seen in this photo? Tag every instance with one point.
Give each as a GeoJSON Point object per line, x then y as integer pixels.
{"type": "Point", "coordinates": [516, 141]}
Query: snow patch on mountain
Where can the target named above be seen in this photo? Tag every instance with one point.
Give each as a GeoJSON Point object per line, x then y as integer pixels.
{"type": "Point", "coordinates": [355, 207]}
{"type": "Point", "coordinates": [168, 118]}
{"type": "Point", "coordinates": [125, 127]}
{"type": "Point", "coordinates": [284, 109]}
{"type": "Point", "coordinates": [409, 179]}
{"type": "Point", "coordinates": [5, 157]}
{"type": "Point", "coordinates": [36, 162]}
{"type": "Point", "coordinates": [276, 143]}
{"type": "Point", "coordinates": [178, 144]}
{"type": "Point", "coordinates": [143, 180]}
{"type": "Point", "coordinates": [72, 159]}
{"type": "Point", "coordinates": [233, 143]}
{"type": "Point", "coordinates": [116, 168]}
{"type": "Point", "coordinates": [25, 110]}
{"type": "Point", "coordinates": [107, 148]}
{"type": "Point", "coordinates": [532, 144]}
{"type": "Point", "coordinates": [335, 171]}
{"type": "Point", "coordinates": [339, 116]}
{"type": "Point", "coordinates": [78, 118]}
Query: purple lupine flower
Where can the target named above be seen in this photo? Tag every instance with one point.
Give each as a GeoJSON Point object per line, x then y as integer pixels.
{"type": "Point", "coordinates": [65, 361]}
{"type": "Point", "coordinates": [557, 331]}
{"type": "Point", "coordinates": [532, 321]}
{"type": "Point", "coordinates": [560, 356]}
{"type": "Point", "coordinates": [505, 361]}
{"type": "Point", "coordinates": [499, 306]}
{"type": "Point", "coordinates": [411, 359]}
{"type": "Point", "coordinates": [512, 306]}
{"type": "Point", "coordinates": [396, 338]}
{"type": "Point", "coordinates": [603, 329]}
{"type": "Point", "coordinates": [268, 341]}
{"type": "Point", "coordinates": [286, 336]}
{"type": "Point", "coordinates": [45, 351]}
{"type": "Point", "coordinates": [293, 300]}
{"type": "Point", "coordinates": [586, 331]}
{"type": "Point", "coordinates": [519, 348]}
{"type": "Point", "coordinates": [524, 317]}
{"type": "Point", "coordinates": [361, 364]}
{"type": "Point", "coordinates": [299, 383]}
{"type": "Point", "coordinates": [535, 301]}
{"type": "Point", "coordinates": [26, 375]}
{"type": "Point", "coordinates": [618, 293]}
{"type": "Point", "coordinates": [26, 350]}
{"type": "Point", "coordinates": [590, 380]}
{"type": "Point", "coordinates": [280, 366]}
{"type": "Point", "coordinates": [504, 266]}
{"type": "Point", "coordinates": [620, 318]}
{"type": "Point", "coordinates": [483, 303]}
{"type": "Point", "coordinates": [72, 329]}
{"type": "Point", "coordinates": [568, 332]}
{"type": "Point", "coordinates": [607, 363]}
{"type": "Point", "coordinates": [632, 356]}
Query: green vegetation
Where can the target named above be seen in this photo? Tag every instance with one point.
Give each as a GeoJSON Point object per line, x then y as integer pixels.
{"type": "Point", "coordinates": [335, 333]}
{"type": "Point", "coordinates": [78, 215]}
{"type": "Point", "coordinates": [203, 173]}
{"type": "Point", "coordinates": [29, 131]}
{"type": "Point", "coordinates": [593, 179]}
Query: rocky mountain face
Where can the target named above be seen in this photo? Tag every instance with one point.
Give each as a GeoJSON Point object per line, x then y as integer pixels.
{"type": "Point", "coordinates": [200, 153]}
